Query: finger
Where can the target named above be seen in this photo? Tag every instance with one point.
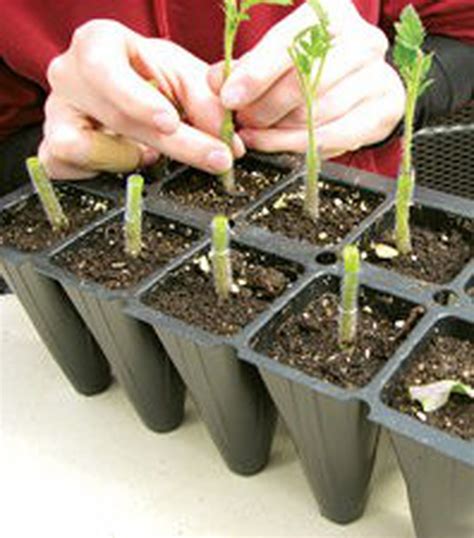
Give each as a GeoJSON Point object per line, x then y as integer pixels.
{"type": "Point", "coordinates": [71, 138]}
{"type": "Point", "coordinates": [57, 169]}
{"type": "Point", "coordinates": [196, 148]}
{"type": "Point", "coordinates": [343, 97]}
{"type": "Point", "coordinates": [215, 77]}
{"type": "Point", "coordinates": [367, 124]}
{"type": "Point", "coordinates": [279, 101]}
{"type": "Point", "coordinates": [202, 108]}
{"type": "Point", "coordinates": [267, 62]}
{"type": "Point", "coordinates": [261, 67]}
{"type": "Point", "coordinates": [275, 139]}
{"type": "Point", "coordinates": [345, 58]}
{"type": "Point", "coordinates": [112, 153]}
{"type": "Point", "coordinates": [284, 95]}
{"type": "Point", "coordinates": [102, 61]}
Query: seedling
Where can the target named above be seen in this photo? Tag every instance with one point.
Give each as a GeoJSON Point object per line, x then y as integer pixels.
{"type": "Point", "coordinates": [220, 256]}
{"type": "Point", "coordinates": [309, 53]}
{"type": "Point", "coordinates": [349, 297]}
{"type": "Point", "coordinates": [413, 65]}
{"type": "Point", "coordinates": [435, 395]}
{"type": "Point", "coordinates": [133, 216]}
{"type": "Point", "coordinates": [45, 190]}
{"type": "Point", "coordinates": [236, 12]}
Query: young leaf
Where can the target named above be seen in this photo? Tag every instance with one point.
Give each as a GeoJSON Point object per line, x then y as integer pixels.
{"type": "Point", "coordinates": [407, 52]}
{"type": "Point", "coordinates": [409, 31]}
{"type": "Point", "coordinates": [433, 396]}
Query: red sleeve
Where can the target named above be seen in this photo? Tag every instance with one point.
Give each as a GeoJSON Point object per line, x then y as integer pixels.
{"type": "Point", "coordinates": [450, 18]}
{"type": "Point", "coordinates": [21, 102]}
{"type": "Point", "coordinates": [32, 32]}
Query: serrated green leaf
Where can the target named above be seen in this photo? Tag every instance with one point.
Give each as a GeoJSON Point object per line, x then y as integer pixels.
{"type": "Point", "coordinates": [306, 47]}
{"type": "Point", "coordinates": [426, 63]}
{"type": "Point", "coordinates": [424, 86]}
{"type": "Point", "coordinates": [320, 12]}
{"type": "Point", "coordinates": [410, 31]}
{"type": "Point", "coordinates": [404, 57]}
{"type": "Point", "coordinates": [413, 64]}
{"type": "Point", "coordinates": [409, 38]}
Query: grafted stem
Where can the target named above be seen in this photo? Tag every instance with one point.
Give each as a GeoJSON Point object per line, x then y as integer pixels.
{"type": "Point", "coordinates": [349, 297]}
{"type": "Point", "coordinates": [220, 256]}
{"type": "Point", "coordinates": [133, 215]}
{"type": "Point", "coordinates": [46, 194]}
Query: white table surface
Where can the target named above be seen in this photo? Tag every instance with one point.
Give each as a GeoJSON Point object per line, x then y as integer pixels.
{"type": "Point", "coordinates": [86, 467]}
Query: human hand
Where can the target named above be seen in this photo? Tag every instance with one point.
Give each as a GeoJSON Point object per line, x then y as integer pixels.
{"type": "Point", "coordinates": [103, 114]}
{"type": "Point", "coordinates": [361, 98]}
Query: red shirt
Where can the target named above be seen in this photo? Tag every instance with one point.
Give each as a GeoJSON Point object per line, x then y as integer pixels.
{"type": "Point", "coordinates": [32, 32]}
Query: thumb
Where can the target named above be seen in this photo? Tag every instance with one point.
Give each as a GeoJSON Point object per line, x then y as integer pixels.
{"type": "Point", "coordinates": [112, 153]}
{"type": "Point", "coordinates": [254, 74]}
{"type": "Point", "coordinates": [215, 77]}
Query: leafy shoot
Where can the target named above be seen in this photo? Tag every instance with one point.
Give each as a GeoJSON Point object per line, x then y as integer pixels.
{"type": "Point", "coordinates": [413, 65]}
{"type": "Point", "coordinates": [309, 52]}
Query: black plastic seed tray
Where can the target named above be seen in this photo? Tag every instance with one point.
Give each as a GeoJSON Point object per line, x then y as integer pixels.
{"type": "Point", "coordinates": [335, 430]}
{"type": "Point", "coordinates": [137, 357]}
{"type": "Point", "coordinates": [287, 165]}
{"type": "Point", "coordinates": [54, 316]}
{"type": "Point", "coordinates": [229, 394]}
{"type": "Point", "coordinates": [333, 427]}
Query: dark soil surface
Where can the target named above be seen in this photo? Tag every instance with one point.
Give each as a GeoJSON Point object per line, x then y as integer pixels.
{"type": "Point", "coordinates": [188, 293]}
{"type": "Point", "coordinates": [445, 357]}
{"type": "Point", "coordinates": [100, 256]}
{"type": "Point", "coordinates": [194, 188]}
{"type": "Point", "coordinates": [308, 340]}
{"type": "Point", "coordinates": [442, 246]}
{"type": "Point", "coordinates": [26, 228]}
{"type": "Point", "coordinates": [292, 161]}
{"type": "Point", "coordinates": [105, 183]}
{"type": "Point", "coordinates": [342, 208]}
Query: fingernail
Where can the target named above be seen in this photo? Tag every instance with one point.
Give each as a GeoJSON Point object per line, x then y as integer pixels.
{"type": "Point", "coordinates": [232, 97]}
{"type": "Point", "coordinates": [166, 122]}
{"type": "Point", "coordinates": [219, 160]}
{"type": "Point", "coordinates": [245, 136]}
{"type": "Point", "coordinates": [238, 147]}
{"type": "Point", "coordinates": [149, 156]}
